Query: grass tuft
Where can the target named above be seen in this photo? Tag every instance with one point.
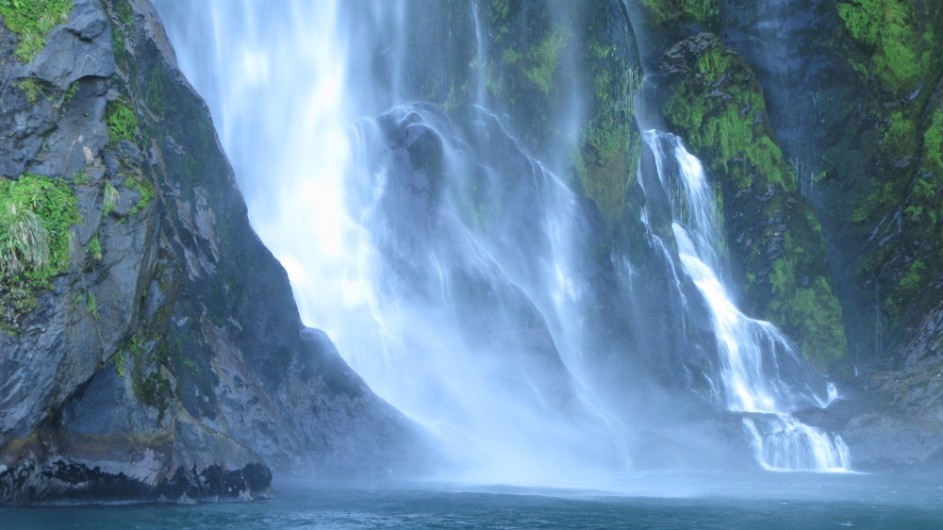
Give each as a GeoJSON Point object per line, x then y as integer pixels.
{"type": "Point", "coordinates": [32, 20]}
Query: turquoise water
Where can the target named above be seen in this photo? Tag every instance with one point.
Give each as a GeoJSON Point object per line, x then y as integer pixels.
{"type": "Point", "coordinates": [765, 501]}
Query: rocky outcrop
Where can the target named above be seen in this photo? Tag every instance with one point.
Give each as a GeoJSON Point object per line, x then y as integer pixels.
{"type": "Point", "coordinates": [165, 357]}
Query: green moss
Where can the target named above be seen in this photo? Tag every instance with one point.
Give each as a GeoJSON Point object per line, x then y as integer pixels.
{"type": "Point", "coordinates": [119, 360]}
{"type": "Point", "coordinates": [94, 249]}
{"type": "Point", "coordinates": [811, 314]}
{"type": "Point", "coordinates": [31, 88]}
{"type": "Point", "coordinates": [147, 381]}
{"type": "Point", "coordinates": [914, 276]}
{"type": "Point", "coordinates": [664, 11]}
{"type": "Point", "coordinates": [71, 91]}
{"type": "Point", "coordinates": [544, 58]}
{"type": "Point", "coordinates": [900, 135]}
{"type": "Point", "coordinates": [124, 12]}
{"type": "Point", "coordinates": [499, 10]}
{"type": "Point", "coordinates": [603, 169]}
{"type": "Point", "coordinates": [146, 191]}
{"type": "Point", "coordinates": [122, 122]}
{"type": "Point", "coordinates": [32, 20]}
{"type": "Point", "coordinates": [717, 110]}
{"type": "Point", "coordinates": [91, 303]}
{"type": "Point", "coordinates": [933, 145]}
{"type": "Point", "coordinates": [901, 53]}
{"type": "Point", "coordinates": [110, 198]}
{"type": "Point", "coordinates": [156, 92]}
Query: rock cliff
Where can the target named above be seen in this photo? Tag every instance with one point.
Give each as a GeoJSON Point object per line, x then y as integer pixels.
{"type": "Point", "coordinates": [150, 347]}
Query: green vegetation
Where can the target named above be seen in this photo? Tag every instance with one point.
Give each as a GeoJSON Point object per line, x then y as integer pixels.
{"type": "Point", "coordinates": [716, 104]}
{"type": "Point", "coordinates": [933, 145]}
{"type": "Point", "coordinates": [91, 303]}
{"type": "Point", "coordinates": [32, 20]}
{"type": "Point", "coordinates": [901, 54]}
{"type": "Point", "coordinates": [609, 150]}
{"type": "Point", "coordinates": [119, 359]}
{"type": "Point", "coordinates": [722, 111]}
{"type": "Point", "coordinates": [94, 249]}
{"type": "Point", "coordinates": [145, 189]}
{"type": "Point", "coordinates": [900, 135]}
{"type": "Point", "coordinates": [499, 10]}
{"type": "Point", "coordinates": [603, 168]}
{"type": "Point", "coordinates": [31, 88]}
{"type": "Point", "coordinates": [122, 122]}
{"type": "Point", "coordinates": [147, 381]}
{"type": "Point", "coordinates": [664, 11]}
{"type": "Point", "coordinates": [110, 198]}
{"type": "Point", "coordinates": [36, 214]}
{"type": "Point", "coordinates": [543, 59]}
{"type": "Point", "coordinates": [914, 276]}
{"type": "Point", "coordinates": [811, 314]}
{"type": "Point", "coordinates": [71, 91]}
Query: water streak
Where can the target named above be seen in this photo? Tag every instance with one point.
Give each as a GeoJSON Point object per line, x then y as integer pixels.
{"type": "Point", "coordinates": [760, 371]}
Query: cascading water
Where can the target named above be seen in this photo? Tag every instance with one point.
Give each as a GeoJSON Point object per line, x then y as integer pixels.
{"type": "Point", "coordinates": [449, 292]}
{"type": "Point", "coordinates": [759, 370]}
{"type": "Point", "coordinates": [457, 273]}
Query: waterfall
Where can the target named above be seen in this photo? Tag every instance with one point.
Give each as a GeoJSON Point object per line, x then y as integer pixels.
{"type": "Point", "coordinates": [760, 372]}
{"type": "Point", "coordinates": [451, 293]}
{"type": "Point", "coordinates": [460, 274]}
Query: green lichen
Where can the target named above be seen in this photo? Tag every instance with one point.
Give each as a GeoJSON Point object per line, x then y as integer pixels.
{"type": "Point", "coordinates": [900, 135]}
{"type": "Point", "coordinates": [933, 144]}
{"type": "Point", "coordinates": [122, 122]}
{"type": "Point", "coordinates": [32, 20]}
{"type": "Point", "coordinates": [499, 10]}
{"type": "Point", "coordinates": [91, 303]}
{"type": "Point", "coordinates": [71, 91]}
{"type": "Point", "coordinates": [119, 359]}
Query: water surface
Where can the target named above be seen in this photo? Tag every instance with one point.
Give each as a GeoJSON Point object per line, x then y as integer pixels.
{"type": "Point", "coordinates": [706, 501]}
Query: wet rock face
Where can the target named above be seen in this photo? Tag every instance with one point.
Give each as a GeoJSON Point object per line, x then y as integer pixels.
{"type": "Point", "coordinates": [67, 479]}
{"type": "Point", "coordinates": [776, 246]}
{"type": "Point", "coordinates": [167, 358]}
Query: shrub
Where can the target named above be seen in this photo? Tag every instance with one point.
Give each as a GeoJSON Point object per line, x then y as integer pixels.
{"type": "Point", "coordinates": [36, 214]}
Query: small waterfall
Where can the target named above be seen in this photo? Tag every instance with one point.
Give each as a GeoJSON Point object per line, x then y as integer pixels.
{"type": "Point", "coordinates": [760, 373]}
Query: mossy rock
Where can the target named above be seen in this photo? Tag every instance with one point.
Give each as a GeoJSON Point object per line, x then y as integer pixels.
{"type": "Point", "coordinates": [777, 248]}
{"type": "Point", "coordinates": [32, 20]}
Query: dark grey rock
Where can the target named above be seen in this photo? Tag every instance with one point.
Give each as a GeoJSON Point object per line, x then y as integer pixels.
{"type": "Point", "coordinates": [80, 48]}
{"type": "Point", "coordinates": [173, 365]}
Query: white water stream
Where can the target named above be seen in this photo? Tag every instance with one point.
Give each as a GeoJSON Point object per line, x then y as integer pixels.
{"type": "Point", "coordinates": [754, 355]}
